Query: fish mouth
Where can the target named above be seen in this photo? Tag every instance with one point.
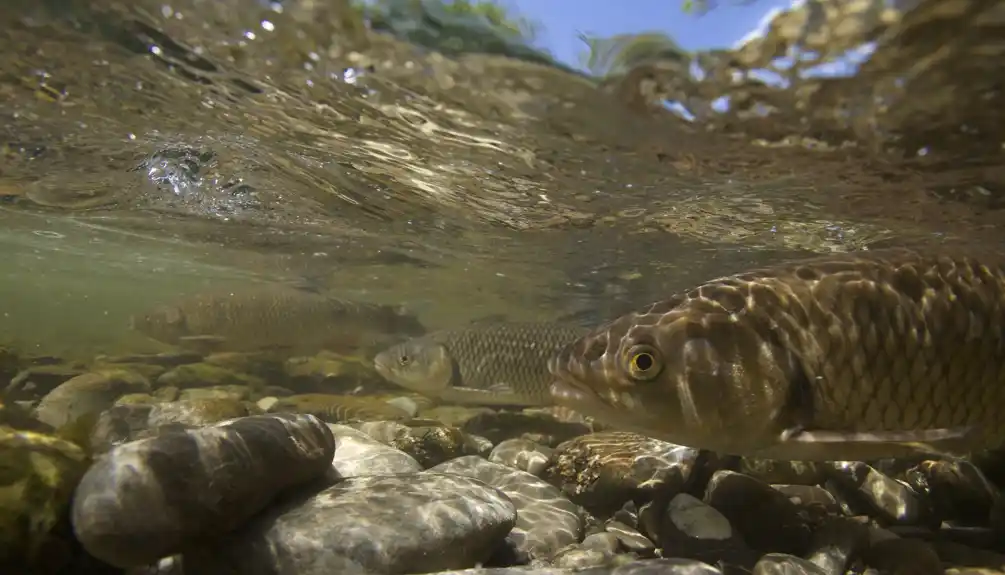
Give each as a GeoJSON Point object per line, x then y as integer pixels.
{"type": "Point", "coordinates": [381, 366]}
{"type": "Point", "coordinates": [573, 396]}
{"type": "Point", "coordinates": [567, 389]}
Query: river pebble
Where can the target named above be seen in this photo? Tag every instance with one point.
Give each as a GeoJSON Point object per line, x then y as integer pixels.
{"type": "Point", "coordinates": [523, 454]}
{"type": "Point", "coordinates": [606, 469]}
{"type": "Point", "coordinates": [416, 523]}
{"type": "Point", "coordinates": [746, 502]}
{"type": "Point", "coordinates": [958, 490]}
{"type": "Point", "coordinates": [124, 423]}
{"type": "Point", "coordinates": [782, 564]}
{"type": "Point", "coordinates": [894, 501]}
{"type": "Point", "coordinates": [356, 453]}
{"type": "Point", "coordinates": [546, 519]}
{"type": "Point", "coordinates": [148, 499]}
{"type": "Point", "coordinates": [644, 567]}
{"type": "Point", "coordinates": [88, 393]}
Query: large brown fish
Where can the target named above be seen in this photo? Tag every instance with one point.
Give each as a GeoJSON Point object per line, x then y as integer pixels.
{"type": "Point", "coordinates": [853, 357]}
{"type": "Point", "coordinates": [483, 364]}
{"type": "Point", "coordinates": [275, 317]}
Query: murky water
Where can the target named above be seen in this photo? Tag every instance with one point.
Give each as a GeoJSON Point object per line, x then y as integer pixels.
{"type": "Point", "coordinates": [154, 149]}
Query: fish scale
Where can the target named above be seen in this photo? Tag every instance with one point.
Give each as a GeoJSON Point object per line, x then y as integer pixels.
{"type": "Point", "coordinates": [504, 352]}
{"type": "Point", "coordinates": [851, 356]}
{"type": "Point", "coordinates": [490, 364]}
{"type": "Point", "coordinates": [275, 317]}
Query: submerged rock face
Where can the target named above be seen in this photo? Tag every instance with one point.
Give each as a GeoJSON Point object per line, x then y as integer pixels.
{"type": "Point", "coordinates": [150, 498]}
{"type": "Point", "coordinates": [546, 519]}
{"type": "Point", "coordinates": [88, 393]}
{"type": "Point", "coordinates": [37, 475]}
{"type": "Point", "coordinates": [415, 523]}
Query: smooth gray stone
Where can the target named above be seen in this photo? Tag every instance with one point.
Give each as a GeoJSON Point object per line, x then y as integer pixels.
{"type": "Point", "coordinates": [414, 523]}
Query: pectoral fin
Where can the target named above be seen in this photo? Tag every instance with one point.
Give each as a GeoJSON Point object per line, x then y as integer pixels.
{"type": "Point", "coordinates": [496, 396]}
{"type": "Point", "coordinates": [942, 441]}
{"type": "Point", "coordinates": [202, 343]}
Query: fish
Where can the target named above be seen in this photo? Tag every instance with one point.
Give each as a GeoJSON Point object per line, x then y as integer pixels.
{"type": "Point", "coordinates": [891, 353]}
{"type": "Point", "coordinates": [480, 364]}
{"type": "Point", "coordinates": [276, 317]}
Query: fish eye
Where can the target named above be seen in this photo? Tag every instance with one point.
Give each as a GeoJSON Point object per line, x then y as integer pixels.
{"type": "Point", "coordinates": [404, 359]}
{"type": "Point", "coordinates": [644, 362]}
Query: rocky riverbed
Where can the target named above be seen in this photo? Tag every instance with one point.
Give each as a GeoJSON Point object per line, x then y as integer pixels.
{"type": "Point", "coordinates": [182, 463]}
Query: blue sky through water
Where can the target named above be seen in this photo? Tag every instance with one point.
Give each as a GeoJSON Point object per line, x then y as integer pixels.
{"type": "Point", "coordinates": [722, 27]}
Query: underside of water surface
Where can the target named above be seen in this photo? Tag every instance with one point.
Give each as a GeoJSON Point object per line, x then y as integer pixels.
{"type": "Point", "coordinates": [152, 151]}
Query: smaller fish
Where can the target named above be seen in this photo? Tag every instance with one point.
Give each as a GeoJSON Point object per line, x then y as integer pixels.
{"type": "Point", "coordinates": [275, 317]}
{"type": "Point", "coordinates": [482, 364]}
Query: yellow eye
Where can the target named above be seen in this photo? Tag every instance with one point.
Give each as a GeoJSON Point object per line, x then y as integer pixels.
{"type": "Point", "coordinates": [644, 362]}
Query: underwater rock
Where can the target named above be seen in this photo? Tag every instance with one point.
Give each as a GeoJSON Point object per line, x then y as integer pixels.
{"type": "Point", "coordinates": [38, 473]}
{"type": "Point", "coordinates": [91, 392]}
{"type": "Point", "coordinates": [957, 490]}
{"type": "Point", "coordinates": [784, 472]}
{"type": "Point", "coordinates": [205, 374]}
{"type": "Point", "coordinates": [452, 415]}
{"type": "Point", "coordinates": [16, 417]}
{"type": "Point", "coordinates": [150, 498]}
{"type": "Point", "coordinates": [692, 529]}
{"type": "Point", "coordinates": [982, 561]}
{"type": "Point", "coordinates": [234, 392]}
{"type": "Point", "coordinates": [603, 470]}
{"type": "Point", "coordinates": [339, 408]}
{"type": "Point", "coordinates": [817, 500]}
{"type": "Point", "coordinates": [199, 412]}
{"type": "Point", "coordinates": [416, 523]}
{"type": "Point", "coordinates": [38, 380]}
{"type": "Point", "coordinates": [329, 372]}
{"type": "Point", "coordinates": [136, 399]}
{"type": "Point", "coordinates": [631, 539]}
{"type": "Point", "coordinates": [885, 497]}
{"type": "Point", "coordinates": [430, 444]}
{"type": "Point", "coordinates": [746, 502]}
{"type": "Point", "coordinates": [10, 363]}
{"type": "Point", "coordinates": [124, 423]}
{"type": "Point", "coordinates": [596, 550]}
{"type": "Point", "coordinates": [903, 557]}
{"type": "Point", "coordinates": [619, 567]}
{"type": "Point", "coordinates": [147, 370]}
{"type": "Point", "coordinates": [356, 454]}
{"type": "Point", "coordinates": [546, 519]}
{"type": "Point", "coordinates": [523, 454]}
{"type": "Point", "coordinates": [115, 426]}
{"type": "Point", "coordinates": [267, 366]}
{"type": "Point", "coordinates": [782, 564]}
{"type": "Point", "coordinates": [537, 426]}
{"type": "Point", "coordinates": [836, 542]}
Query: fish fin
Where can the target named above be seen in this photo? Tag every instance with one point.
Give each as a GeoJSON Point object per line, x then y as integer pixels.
{"type": "Point", "coordinates": [201, 343]}
{"type": "Point", "coordinates": [472, 396]}
{"type": "Point", "coordinates": [932, 441]}
{"type": "Point", "coordinates": [500, 387]}
{"type": "Point", "coordinates": [207, 338]}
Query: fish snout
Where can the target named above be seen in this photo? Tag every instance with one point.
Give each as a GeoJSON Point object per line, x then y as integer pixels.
{"type": "Point", "coordinates": [382, 363]}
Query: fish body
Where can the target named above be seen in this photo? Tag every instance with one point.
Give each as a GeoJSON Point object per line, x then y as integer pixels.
{"type": "Point", "coordinates": [882, 354]}
{"type": "Point", "coordinates": [483, 364]}
{"type": "Point", "coordinates": [275, 317]}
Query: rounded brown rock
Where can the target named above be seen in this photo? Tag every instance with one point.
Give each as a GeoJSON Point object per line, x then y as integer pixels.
{"type": "Point", "coordinates": [152, 498]}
